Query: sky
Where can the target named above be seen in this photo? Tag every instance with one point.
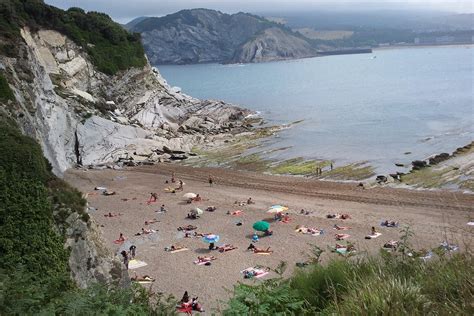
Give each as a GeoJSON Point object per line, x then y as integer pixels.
{"type": "Point", "coordinates": [123, 11]}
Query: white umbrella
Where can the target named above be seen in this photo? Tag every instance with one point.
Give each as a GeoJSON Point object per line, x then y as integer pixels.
{"type": "Point", "coordinates": [189, 195]}
{"type": "Point", "coordinates": [198, 211]}
{"type": "Point", "coordinates": [277, 209]}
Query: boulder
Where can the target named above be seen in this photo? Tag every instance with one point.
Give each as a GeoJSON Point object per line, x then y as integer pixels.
{"type": "Point", "coordinates": [418, 164]}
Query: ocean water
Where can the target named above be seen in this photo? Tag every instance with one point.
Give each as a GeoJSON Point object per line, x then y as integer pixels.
{"type": "Point", "coordinates": [356, 108]}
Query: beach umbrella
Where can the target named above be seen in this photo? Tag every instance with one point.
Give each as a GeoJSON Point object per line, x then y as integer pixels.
{"type": "Point", "coordinates": [261, 226]}
{"type": "Point", "coordinates": [277, 209]}
{"type": "Point", "coordinates": [189, 195]}
{"type": "Point", "coordinates": [198, 211]}
{"type": "Point", "coordinates": [210, 239]}
{"type": "Point", "coordinates": [274, 210]}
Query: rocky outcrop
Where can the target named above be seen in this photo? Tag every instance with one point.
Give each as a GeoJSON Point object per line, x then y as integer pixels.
{"type": "Point", "coordinates": [273, 44]}
{"type": "Point", "coordinates": [90, 260]}
{"type": "Point", "coordinates": [82, 116]}
{"type": "Point", "coordinates": [203, 36]}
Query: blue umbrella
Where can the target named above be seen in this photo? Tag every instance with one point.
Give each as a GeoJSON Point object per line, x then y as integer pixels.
{"type": "Point", "coordinates": [210, 238]}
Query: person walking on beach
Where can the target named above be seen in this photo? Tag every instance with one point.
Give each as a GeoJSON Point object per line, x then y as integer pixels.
{"type": "Point", "coordinates": [332, 166]}
{"type": "Point", "coordinates": [125, 258]}
{"type": "Point", "coordinates": [133, 249]}
{"type": "Point", "coordinates": [211, 180]}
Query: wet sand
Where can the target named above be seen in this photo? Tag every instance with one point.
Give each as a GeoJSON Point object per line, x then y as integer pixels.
{"type": "Point", "coordinates": [433, 215]}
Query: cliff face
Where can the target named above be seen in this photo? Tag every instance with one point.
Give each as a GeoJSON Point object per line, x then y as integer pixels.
{"type": "Point", "coordinates": [202, 36]}
{"type": "Point", "coordinates": [82, 116]}
{"type": "Point", "coordinates": [273, 44]}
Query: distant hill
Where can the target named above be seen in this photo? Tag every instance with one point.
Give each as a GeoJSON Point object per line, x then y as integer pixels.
{"type": "Point", "coordinates": [134, 22]}
{"type": "Point", "coordinates": [203, 36]}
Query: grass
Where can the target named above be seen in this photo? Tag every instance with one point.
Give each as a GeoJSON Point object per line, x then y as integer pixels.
{"type": "Point", "coordinates": [5, 92]}
{"type": "Point", "coordinates": [298, 166]}
{"type": "Point", "coordinates": [355, 171]}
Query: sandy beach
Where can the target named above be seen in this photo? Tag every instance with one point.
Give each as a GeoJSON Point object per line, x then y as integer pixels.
{"type": "Point", "coordinates": [434, 216]}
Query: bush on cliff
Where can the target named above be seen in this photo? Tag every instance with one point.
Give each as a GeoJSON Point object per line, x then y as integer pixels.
{"type": "Point", "coordinates": [110, 47]}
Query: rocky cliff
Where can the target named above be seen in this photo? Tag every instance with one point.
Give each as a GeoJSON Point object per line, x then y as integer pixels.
{"type": "Point", "coordinates": [80, 115]}
{"type": "Point", "coordinates": [203, 36]}
{"type": "Point", "coordinates": [273, 44]}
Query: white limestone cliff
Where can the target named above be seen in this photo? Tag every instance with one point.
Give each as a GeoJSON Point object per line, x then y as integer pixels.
{"type": "Point", "coordinates": [82, 116]}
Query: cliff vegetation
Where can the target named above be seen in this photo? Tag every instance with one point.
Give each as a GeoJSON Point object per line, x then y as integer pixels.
{"type": "Point", "coordinates": [110, 47]}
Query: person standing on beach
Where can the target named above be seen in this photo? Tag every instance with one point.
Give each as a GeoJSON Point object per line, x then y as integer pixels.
{"type": "Point", "coordinates": [211, 180]}
{"type": "Point", "coordinates": [133, 249]}
{"type": "Point", "coordinates": [125, 258]}
{"type": "Point", "coordinates": [332, 166]}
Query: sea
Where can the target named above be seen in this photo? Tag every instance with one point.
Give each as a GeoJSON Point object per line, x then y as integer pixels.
{"type": "Point", "coordinates": [391, 106]}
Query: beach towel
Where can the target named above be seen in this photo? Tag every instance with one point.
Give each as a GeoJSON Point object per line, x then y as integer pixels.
{"type": "Point", "coordinates": [263, 253]}
{"type": "Point", "coordinates": [341, 227]}
{"type": "Point", "coordinates": [258, 273]}
{"type": "Point", "coordinates": [118, 242]}
{"type": "Point", "coordinates": [179, 250]}
{"type": "Point", "coordinates": [237, 213]}
{"type": "Point", "coordinates": [144, 282]}
{"type": "Point", "coordinates": [470, 223]}
{"type": "Point", "coordinates": [376, 235]}
{"type": "Point", "coordinates": [427, 257]}
{"type": "Point", "coordinates": [201, 263]}
{"type": "Point", "coordinates": [448, 247]}
{"type": "Point", "coordinates": [135, 264]}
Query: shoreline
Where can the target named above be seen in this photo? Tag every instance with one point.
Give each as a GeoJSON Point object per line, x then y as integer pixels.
{"type": "Point", "coordinates": [470, 45]}
{"type": "Point", "coordinates": [249, 156]}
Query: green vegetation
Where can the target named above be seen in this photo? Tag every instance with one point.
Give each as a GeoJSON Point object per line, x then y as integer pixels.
{"type": "Point", "coordinates": [389, 284]}
{"type": "Point", "coordinates": [5, 92]}
{"type": "Point", "coordinates": [298, 166]}
{"type": "Point", "coordinates": [110, 47]}
{"type": "Point", "coordinates": [356, 171]}
{"type": "Point", "coordinates": [34, 270]}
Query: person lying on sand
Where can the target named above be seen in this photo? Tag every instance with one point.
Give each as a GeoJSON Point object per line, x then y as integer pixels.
{"type": "Point", "coordinates": [348, 247]}
{"type": "Point", "coordinates": [342, 236]}
{"type": "Point", "coordinates": [192, 215]}
{"type": "Point", "coordinates": [107, 193]}
{"type": "Point", "coordinates": [144, 278]}
{"type": "Point", "coordinates": [163, 209]}
{"type": "Point", "coordinates": [308, 230]}
{"type": "Point", "coordinates": [151, 221]}
{"type": "Point", "coordinates": [226, 247]}
{"type": "Point", "coordinates": [259, 250]}
{"type": "Point", "coordinates": [390, 223]}
{"type": "Point", "coordinates": [173, 248]}
{"type": "Point", "coordinates": [181, 186]}
{"type": "Point", "coordinates": [187, 227]}
{"type": "Point", "coordinates": [240, 203]}
{"type": "Point", "coordinates": [338, 216]}
{"type": "Point", "coordinates": [250, 273]}
{"type": "Point", "coordinates": [268, 232]}
{"type": "Point", "coordinates": [211, 209]}
{"type": "Point", "coordinates": [112, 214]}
{"type": "Point", "coordinates": [341, 227]}
{"type": "Point", "coordinates": [235, 213]}
{"type": "Point", "coordinates": [145, 232]}
{"type": "Point", "coordinates": [206, 259]}
{"type": "Point", "coordinates": [392, 244]}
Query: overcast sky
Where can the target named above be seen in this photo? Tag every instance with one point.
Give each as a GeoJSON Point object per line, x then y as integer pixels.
{"type": "Point", "coordinates": [125, 10]}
